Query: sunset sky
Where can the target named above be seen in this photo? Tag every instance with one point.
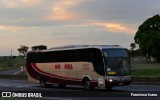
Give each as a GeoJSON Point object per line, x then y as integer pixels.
{"type": "Point", "coordinates": [67, 22]}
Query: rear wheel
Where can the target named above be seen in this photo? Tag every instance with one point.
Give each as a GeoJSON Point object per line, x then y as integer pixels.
{"type": "Point", "coordinates": [87, 84]}
{"type": "Point", "coordinates": [43, 83]}
{"type": "Point", "coordinates": [61, 86]}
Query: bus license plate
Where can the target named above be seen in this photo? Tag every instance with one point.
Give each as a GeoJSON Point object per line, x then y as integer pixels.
{"type": "Point", "coordinates": [120, 83]}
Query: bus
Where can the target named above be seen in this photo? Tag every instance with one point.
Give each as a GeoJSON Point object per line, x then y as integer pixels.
{"type": "Point", "coordinates": [101, 66]}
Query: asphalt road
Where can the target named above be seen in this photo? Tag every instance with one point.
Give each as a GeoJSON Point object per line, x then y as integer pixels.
{"type": "Point", "coordinates": [78, 92]}
{"type": "Point", "coordinates": [10, 71]}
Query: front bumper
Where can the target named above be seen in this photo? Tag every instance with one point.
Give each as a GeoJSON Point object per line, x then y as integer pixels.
{"type": "Point", "coordinates": [122, 83]}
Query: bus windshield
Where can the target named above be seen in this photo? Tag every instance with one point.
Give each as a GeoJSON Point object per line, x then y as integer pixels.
{"type": "Point", "coordinates": [116, 62]}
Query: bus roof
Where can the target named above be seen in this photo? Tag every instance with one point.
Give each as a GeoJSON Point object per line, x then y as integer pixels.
{"type": "Point", "coordinates": [71, 47]}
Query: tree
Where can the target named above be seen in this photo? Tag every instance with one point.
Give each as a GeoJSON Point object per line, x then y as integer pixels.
{"type": "Point", "coordinates": [148, 37]}
{"type": "Point", "coordinates": [23, 50]}
{"type": "Point", "coordinates": [133, 46]}
{"type": "Point", "coordinates": [39, 47]}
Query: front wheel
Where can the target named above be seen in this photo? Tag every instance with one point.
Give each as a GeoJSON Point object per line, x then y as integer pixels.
{"type": "Point", "coordinates": [109, 87]}
{"type": "Point", "coordinates": [43, 83]}
{"type": "Point", "coordinates": [87, 84]}
{"type": "Point", "coordinates": [61, 86]}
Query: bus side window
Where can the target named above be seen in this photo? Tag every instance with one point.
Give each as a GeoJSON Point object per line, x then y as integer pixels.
{"type": "Point", "coordinates": [83, 55]}
{"type": "Point", "coordinates": [30, 57]}
{"type": "Point", "coordinates": [56, 56]}
{"type": "Point", "coordinates": [68, 56]}
{"type": "Point", "coordinates": [98, 61]}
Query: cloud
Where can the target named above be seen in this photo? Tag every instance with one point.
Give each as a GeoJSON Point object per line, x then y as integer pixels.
{"type": "Point", "coordinates": [38, 13]}
{"type": "Point", "coordinates": [8, 27]}
{"type": "Point", "coordinates": [110, 27]}
{"type": "Point", "coordinates": [117, 27]}
{"type": "Point", "coordinates": [25, 13]}
{"type": "Point", "coordinates": [61, 12]}
{"type": "Point", "coordinates": [21, 3]}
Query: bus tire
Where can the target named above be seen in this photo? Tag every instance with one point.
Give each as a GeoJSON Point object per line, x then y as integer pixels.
{"type": "Point", "coordinates": [43, 83]}
{"type": "Point", "coordinates": [61, 86]}
{"type": "Point", "coordinates": [109, 87]}
{"type": "Point", "coordinates": [87, 84]}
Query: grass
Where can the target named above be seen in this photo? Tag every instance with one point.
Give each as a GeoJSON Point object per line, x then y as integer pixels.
{"type": "Point", "coordinates": [141, 63]}
{"type": "Point", "coordinates": [146, 72]}
{"type": "Point", "coordinates": [8, 63]}
{"type": "Point", "coordinates": [140, 67]}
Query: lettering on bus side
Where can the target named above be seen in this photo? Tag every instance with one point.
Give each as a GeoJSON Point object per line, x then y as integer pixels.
{"type": "Point", "coordinates": [68, 66]}
{"type": "Point", "coordinates": [57, 66]}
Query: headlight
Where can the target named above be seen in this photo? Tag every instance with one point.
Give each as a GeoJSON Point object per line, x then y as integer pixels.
{"type": "Point", "coordinates": [110, 80]}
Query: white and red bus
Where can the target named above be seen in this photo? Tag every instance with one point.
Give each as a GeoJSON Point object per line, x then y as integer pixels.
{"type": "Point", "coordinates": [87, 65]}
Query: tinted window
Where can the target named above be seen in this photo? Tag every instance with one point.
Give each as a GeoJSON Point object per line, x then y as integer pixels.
{"type": "Point", "coordinates": [61, 56]}
{"type": "Point", "coordinates": [83, 55]}
{"type": "Point", "coordinates": [98, 61]}
{"type": "Point", "coordinates": [115, 53]}
{"type": "Point", "coordinates": [119, 65]}
{"type": "Point", "coordinates": [68, 56]}
{"type": "Point", "coordinates": [30, 57]}
{"type": "Point", "coordinates": [56, 56]}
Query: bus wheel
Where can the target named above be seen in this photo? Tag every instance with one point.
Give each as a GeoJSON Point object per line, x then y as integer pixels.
{"type": "Point", "coordinates": [61, 86]}
{"type": "Point", "coordinates": [109, 87]}
{"type": "Point", "coordinates": [87, 84]}
{"type": "Point", "coordinates": [43, 83]}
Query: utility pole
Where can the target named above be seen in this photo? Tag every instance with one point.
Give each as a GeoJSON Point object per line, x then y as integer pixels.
{"type": "Point", "coordinates": [11, 53]}
{"type": "Point", "coordinates": [10, 63]}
